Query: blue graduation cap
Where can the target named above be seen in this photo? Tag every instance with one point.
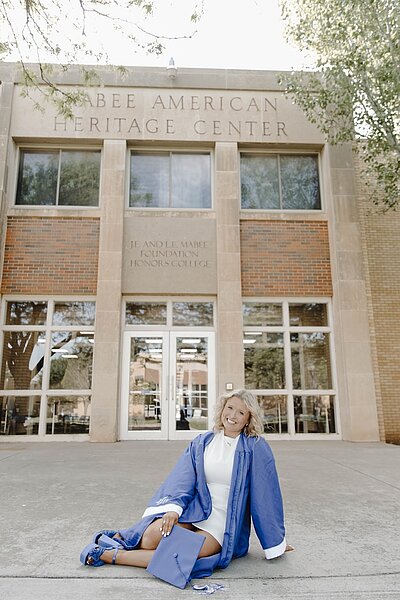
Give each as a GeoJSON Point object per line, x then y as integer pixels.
{"type": "Point", "coordinates": [175, 555]}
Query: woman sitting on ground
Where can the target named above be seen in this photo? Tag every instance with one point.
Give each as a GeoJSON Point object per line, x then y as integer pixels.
{"type": "Point", "coordinates": [223, 478]}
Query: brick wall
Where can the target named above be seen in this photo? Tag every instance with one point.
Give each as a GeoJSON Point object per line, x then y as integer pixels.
{"type": "Point", "coordinates": [50, 255]}
{"type": "Point", "coordinates": [285, 258]}
{"type": "Point", "coordinates": [381, 242]}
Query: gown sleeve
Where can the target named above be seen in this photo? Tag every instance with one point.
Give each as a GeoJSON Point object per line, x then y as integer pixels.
{"type": "Point", "coordinates": [266, 504]}
{"type": "Point", "coordinates": [178, 489]}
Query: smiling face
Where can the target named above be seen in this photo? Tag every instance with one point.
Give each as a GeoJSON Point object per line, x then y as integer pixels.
{"type": "Point", "coordinates": [235, 416]}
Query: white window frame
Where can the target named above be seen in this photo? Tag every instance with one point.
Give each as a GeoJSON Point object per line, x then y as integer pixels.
{"type": "Point", "coordinates": [289, 211]}
{"type": "Point", "coordinates": [45, 392]}
{"type": "Point", "coordinates": [289, 392]}
{"type": "Point", "coordinates": [168, 300]}
{"type": "Point", "coordinates": [169, 150]}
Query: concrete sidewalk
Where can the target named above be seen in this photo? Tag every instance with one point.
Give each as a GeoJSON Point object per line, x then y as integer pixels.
{"type": "Point", "coordinates": [342, 504]}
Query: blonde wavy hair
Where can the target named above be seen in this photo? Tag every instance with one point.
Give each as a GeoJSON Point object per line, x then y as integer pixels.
{"type": "Point", "coordinates": [255, 426]}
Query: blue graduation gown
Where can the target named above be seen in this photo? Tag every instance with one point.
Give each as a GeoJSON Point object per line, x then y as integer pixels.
{"type": "Point", "coordinates": [254, 493]}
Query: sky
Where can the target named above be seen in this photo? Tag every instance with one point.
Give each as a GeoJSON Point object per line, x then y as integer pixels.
{"type": "Point", "coordinates": [231, 34]}
{"type": "Point", "coordinates": [241, 34]}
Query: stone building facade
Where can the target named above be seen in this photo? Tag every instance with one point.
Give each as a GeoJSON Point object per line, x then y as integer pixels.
{"type": "Point", "coordinates": [380, 241]}
{"type": "Point", "coordinates": [177, 239]}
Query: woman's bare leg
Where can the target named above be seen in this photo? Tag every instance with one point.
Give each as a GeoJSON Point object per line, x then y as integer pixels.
{"type": "Point", "coordinates": [149, 542]}
{"type": "Point", "coordinates": [210, 546]}
{"type": "Point", "coordinates": [143, 555]}
{"type": "Point", "coordinates": [129, 558]}
{"type": "Point", "coordinates": [151, 536]}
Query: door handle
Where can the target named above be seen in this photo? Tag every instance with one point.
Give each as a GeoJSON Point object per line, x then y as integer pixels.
{"type": "Point", "coordinates": [168, 389]}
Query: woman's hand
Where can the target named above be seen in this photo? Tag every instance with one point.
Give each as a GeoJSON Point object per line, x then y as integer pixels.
{"type": "Point", "coordinates": [169, 519]}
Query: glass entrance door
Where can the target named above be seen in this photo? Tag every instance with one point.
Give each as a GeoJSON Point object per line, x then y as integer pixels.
{"type": "Point", "coordinates": [143, 406]}
{"type": "Point", "coordinates": [192, 371]}
{"type": "Point", "coordinates": [168, 384]}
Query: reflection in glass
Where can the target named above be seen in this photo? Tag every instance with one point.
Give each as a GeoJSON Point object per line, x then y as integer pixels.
{"type": "Point", "coordinates": [19, 415]}
{"type": "Point", "coordinates": [191, 387]}
{"type": "Point", "coordinates": [280, 182]}
{"type": "Point", "coordinates": [67, 363]}
{"type": "Point", "coordinates": [305, 315]}
{"type": "Point", "coordinates": [37, 177]}
{"type": "Point", "coordinates": [170, 180]}
{"type": "Point", "coordinates": [259, 181]}
{"type": "Point", "coordinates": [74, 313]}
{"type": "Point", "coordinates": [264, 361]}
{"type": "Point", "coordinates": [78, 182]}
{"type": "Point", "coordinates": [149, 187]}
{"type": "Point", "coordinates": [26, 313]}
{"type": "Point", "coordinates": [68, 414]}
{"type": "Point", "coordinates": [314, 414]}
{"type": "Point", "coordinates": [79, 178]}
{"type": "Point", "coordinates": [300, 182]}
{"type": "Point", "coordinates": [311, 361]}
{"type": "Point", "coordinates": [261, 314]}
{"type": "Point", "coordinates": [145, 380]}
{"type": "Point", "coordinates": [275, 413]}
{"type": "Point", "coordinates": [145, 313]}
{"type": "Point", "coordinates": [191, 181]}
{"type": "Point", "coordinates": [71, 361]}
{"type": "Point", "coordinates": [192, 314]}
{"type": "Point", "coordinates": [22, 360]}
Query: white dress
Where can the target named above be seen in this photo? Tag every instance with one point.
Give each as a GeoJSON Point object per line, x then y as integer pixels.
{"type": "Point", "coordinates": [218, 464]}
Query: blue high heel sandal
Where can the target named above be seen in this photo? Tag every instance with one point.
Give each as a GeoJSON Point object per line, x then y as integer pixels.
{"type": "Point", "coordinates": [105, 538]}
{"type": "Point", "coordinates": [108, 532]}
{"type": "Point", "coordinates": [107, 542]}
{"type": "Point", "coordinates": [92, 553]}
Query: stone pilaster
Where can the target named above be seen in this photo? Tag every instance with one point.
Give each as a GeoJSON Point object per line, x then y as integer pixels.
{"type": "Point", "coordinates": [106, 365]}
{"type": "Point", "coordinates": [229, 311]}
{"type": "Point", "coordinates": [352, 337]}
{"type": "Point", "coordinates": [6, 96]}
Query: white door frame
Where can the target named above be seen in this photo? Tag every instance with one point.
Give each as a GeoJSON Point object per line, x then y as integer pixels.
{"type": "Point", "coordinates": [168, 429]}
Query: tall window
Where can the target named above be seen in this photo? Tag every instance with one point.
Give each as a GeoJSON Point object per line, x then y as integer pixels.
{"type": "Point", "coordinates": [58, 177]}
{"type": "Point", "coordinates": [170, 180]}
{"type": "Point", "coordinates": [280, 181]}
{"type": "Point", "coordinates": [288, 365]}
{"type": "Point", "coordinates": [46, 367]}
